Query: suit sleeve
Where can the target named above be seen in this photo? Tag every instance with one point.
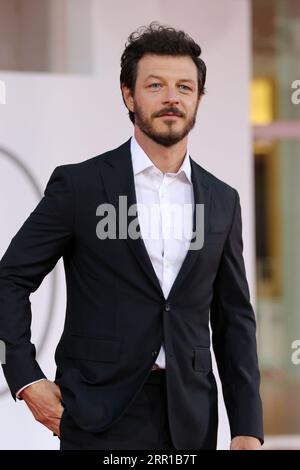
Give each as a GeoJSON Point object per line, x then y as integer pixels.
{"type": "Point", "coordinates": [234, 336]}
{"type": "Point", "coordinates": [31, 255]}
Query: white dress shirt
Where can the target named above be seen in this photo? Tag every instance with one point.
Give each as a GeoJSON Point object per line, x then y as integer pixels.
{"type": "Point", "coordinates": [162, 192]}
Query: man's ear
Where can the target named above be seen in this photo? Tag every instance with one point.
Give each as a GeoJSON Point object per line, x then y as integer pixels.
{"type": "Point", "coordinates": [128, 98]}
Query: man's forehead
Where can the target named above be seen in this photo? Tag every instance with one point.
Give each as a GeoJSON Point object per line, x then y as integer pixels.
{"type": "Point", "coordinates": [156, 66]}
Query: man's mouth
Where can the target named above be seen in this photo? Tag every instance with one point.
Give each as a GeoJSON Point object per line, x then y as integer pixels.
{"type": "Point", "coordinates": [169, 115]}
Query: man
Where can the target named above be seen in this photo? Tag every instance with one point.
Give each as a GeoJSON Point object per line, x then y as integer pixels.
{"type": "Point", "coordinates": [133, 363]}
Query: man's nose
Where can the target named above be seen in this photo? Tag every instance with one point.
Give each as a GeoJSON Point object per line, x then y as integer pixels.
{"type": "Point", "coordinates": [171, 96]}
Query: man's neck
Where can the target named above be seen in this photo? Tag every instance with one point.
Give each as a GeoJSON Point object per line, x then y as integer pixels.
{"type": "Point", "coordinates": [167, 159]}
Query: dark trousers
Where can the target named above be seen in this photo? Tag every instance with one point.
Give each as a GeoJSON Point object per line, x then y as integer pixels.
{"type": "Point", "coordinates": [144, 425]}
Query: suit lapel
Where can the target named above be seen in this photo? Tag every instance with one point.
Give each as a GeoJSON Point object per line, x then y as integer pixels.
{"type": "Point", "coordinates": [201, 196]}
{"type": "Point", "coordinates": [118, 180]}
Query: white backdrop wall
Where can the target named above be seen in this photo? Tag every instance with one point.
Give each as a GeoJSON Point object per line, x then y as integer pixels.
{"type": "Point", "coordinates": [50, 120]}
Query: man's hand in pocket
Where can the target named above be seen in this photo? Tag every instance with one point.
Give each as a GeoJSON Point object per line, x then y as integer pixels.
{"type": "Point", "coordinates": [44, 401]}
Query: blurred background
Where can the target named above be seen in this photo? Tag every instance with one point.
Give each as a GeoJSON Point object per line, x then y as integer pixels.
{"type": "Point", "coordinates": [276, 151]}
{"type": "Point", "coordinates": [59, 66]}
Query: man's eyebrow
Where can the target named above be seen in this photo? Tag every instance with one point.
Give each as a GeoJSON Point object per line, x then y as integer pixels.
{"type": "Point", "coordinates": [153, 76]}
{"type": "Point", "coordinates": [180, 80]}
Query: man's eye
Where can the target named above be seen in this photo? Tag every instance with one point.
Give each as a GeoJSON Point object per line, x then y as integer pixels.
{"type": "Point", "coordinates": [155, 85]}
{"type": "Point", "coordinates": [185, 87]}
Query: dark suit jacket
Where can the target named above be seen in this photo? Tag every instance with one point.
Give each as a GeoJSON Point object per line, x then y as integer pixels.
{"type": "Point", "coordinates": [117, 316]}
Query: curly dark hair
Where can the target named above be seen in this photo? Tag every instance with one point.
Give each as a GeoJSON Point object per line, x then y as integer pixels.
{"type": "Point", "coordinates": [161, 40]}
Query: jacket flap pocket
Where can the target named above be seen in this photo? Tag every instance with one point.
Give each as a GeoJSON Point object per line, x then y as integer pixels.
{"type": "Point", "coordinates": [202, 359]}
{"type": "Point", "coordinates": [94, 349]}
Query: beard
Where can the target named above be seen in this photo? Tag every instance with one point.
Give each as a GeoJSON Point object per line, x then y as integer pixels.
{"type": "Point", "coordinates": [168, 137]}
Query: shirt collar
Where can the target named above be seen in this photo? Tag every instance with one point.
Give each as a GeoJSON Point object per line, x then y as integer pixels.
{"type": "Point", "coordinates": [141, 161]}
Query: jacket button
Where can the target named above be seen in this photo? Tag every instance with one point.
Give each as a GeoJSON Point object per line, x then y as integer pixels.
{"type": "Point", "coordinates": [154, 353]}
{"type": "Point", "coordinates": [167, 307]}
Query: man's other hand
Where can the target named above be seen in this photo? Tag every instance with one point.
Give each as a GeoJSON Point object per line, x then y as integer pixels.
{"type": "Point", "coordinates": [44, 401]}
{"type": "Point", "coordinates": [245, 443]}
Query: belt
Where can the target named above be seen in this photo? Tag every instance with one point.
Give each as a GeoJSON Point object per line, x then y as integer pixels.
{"type": "Point", "coordinates": [157, 376]}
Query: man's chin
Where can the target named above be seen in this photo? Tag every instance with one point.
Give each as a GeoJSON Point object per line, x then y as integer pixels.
{"type": "Point", "coordinates": [166, 140]}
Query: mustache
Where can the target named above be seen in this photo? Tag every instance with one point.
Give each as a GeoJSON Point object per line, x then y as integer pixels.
{"type": "Point", "coordinates": [174, 111]}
